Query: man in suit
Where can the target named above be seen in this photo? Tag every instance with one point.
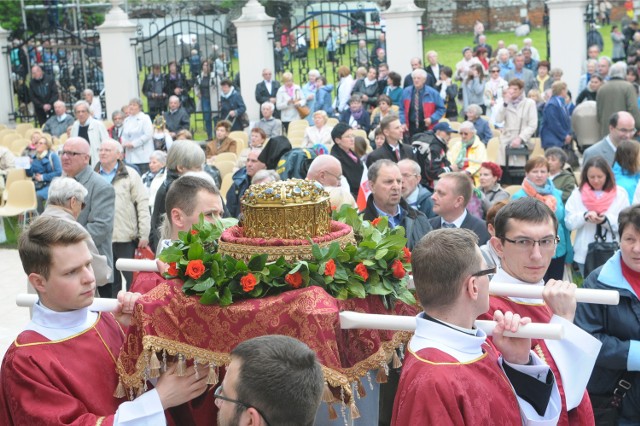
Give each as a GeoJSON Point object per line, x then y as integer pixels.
{"type": "Point", "coordinates": [621, 127]}
{"type": "Point", "coordinates": [433, 69]}
{"type": "Point", "coordinates": [266, 90]}
{"type": "Point", "coordinates": [450, 198]}
{"type": "Point", "coordinates": [519, 71]}
{"type": "Point", "coordinates": [99, 203]}
{"type": "Point", "coordinates": [392, 149]}
{"type": "Point", "coordinates": [482, 42]}
{"type": "Point", "coordinates": [416, 63]}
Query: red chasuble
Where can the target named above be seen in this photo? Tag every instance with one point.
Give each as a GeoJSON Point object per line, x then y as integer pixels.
{"type": "Point", "coordinates": [436, 389]}
{"type": "Point", "coordinates": [63, 382]}
{"type": "Point", "coordinates": [583, 413]}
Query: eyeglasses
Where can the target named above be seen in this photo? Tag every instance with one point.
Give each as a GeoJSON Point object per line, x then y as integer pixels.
{"type": "Point", "coordinates": [488, 271]}
{"type": "Point", "coordinates": [494, 71]}
{"type": "Point", "coordinates": [548, 243]}
{"type": "Point", "coordinates": [72, 153]}
{"type": "Point", "coordinates": [409, 175]}
{"type": "Point", "coordinates": [628, 131]}
{"type": "Point", "coordinates": [218, 395]}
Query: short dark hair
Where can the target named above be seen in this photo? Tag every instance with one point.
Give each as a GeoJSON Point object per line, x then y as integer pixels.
{"type": "Point", "coordinates": [384, 98]}
{"type": "Point", "coordinates": [441, 261]}
{"type": "Point", "coordinates": [526, 209]}
{"type": "Point", "coordinates": [629, 216]}
{"type": "Point", "coordinates": [536, 162]}
{"type": "Point", "coordinates": [602, 164]}
{"type": "Point", "coordinates": [517, 82]}
{"type": "Point", "coordinates": [281, 377]}
{"type": "Point", "coordinates": [374, 170]}
{"type": "Point", "coordinates": [395, 78]}
{"type": "Point", "coordinates": [557, 153]}
{"type": "Point", "coordinates": [463, 184]}
{"type": "Point", "coordinates": [36, 242]}
{"type": "Point", "coordinates": [545, 64]}
{"type": "Point", "coordinates": [446, 71]}
{"type": "Point", "coordinates": [183, 193]}
{"type": "Point", "coordinates": [493, 211]}
{"type": "Point", "coordinates": [226, 82]}
{"type": "Point", "coordinates": [613, 119]}
{"type": "Point", "coordinates": [224, 123]}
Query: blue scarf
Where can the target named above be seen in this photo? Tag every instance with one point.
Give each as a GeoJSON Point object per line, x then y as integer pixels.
{"type": "Point", "coordinates": [543, 190]}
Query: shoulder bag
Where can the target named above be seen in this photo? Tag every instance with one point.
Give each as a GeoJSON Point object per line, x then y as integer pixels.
{"type": "Point", "coordinates": [600, 250]}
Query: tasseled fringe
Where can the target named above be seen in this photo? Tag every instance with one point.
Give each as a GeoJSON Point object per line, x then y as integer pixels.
{"type": "Point", "coordinates": [361, 392]}
{"type": "Point", "coordinates": [395, 360]}
{"type": "Point", "coordinates": [195, 368]}
{"type": "Point", "coordinates": [139, 392]}
{"type": "Point", "coordinates": [120, 392]}
{"type": "Point", "coordinates": [182, 366]}
{"type": "Point", "coordinates": [381, 377]}
{"type": "Point", "coordinates": [355, 413]}
{"type": "Point", "coordinates": [154, 365]}
{"type": "Point", "coordinates": [212, 377]}
{"type": "Point", "coordinates": [333, 415]}
{"type": "Point", "coordinates": [164, 360]}
{"type": "Point", "coordinates": [327, 395]}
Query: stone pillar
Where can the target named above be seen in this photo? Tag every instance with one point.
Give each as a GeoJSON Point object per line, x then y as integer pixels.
{"type": "Point", "coordinates": [6, 92]}
{"type": "Point", "coordinates": [567, 17]}
{"type": "Point", "coordinates": [118, 58]}
{"type": "Point", "coordinates": [255, 51]}
{"type": "Point", "coordinates": [404, 41]}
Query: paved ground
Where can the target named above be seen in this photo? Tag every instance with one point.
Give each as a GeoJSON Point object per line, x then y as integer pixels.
{"type": "Point", "coordinates": [13, 280]}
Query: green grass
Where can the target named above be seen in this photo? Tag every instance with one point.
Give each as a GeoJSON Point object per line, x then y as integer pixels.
{"type": "Point", "coordinates": [12, 237]}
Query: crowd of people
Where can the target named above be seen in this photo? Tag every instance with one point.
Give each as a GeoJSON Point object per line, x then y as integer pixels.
{"type": "Point", "coordinates": [424, 164]}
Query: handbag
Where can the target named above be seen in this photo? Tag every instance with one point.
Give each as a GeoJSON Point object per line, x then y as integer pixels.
{"type": "Point", "coordinates": [600, 250]}
{"type": "Point", "coordinates": [303, 111]}
{"type": "Point", "coordinates": [606, 408]}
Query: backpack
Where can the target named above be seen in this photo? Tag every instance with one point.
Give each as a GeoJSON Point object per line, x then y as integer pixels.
{"type": "Point", "coordinates": [295, 163]}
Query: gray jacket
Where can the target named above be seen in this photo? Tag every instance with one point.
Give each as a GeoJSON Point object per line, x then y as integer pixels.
{"type": "Point", "coordinates": [101, 268]}
{"type": "Point", "coordinates": [603, 149]}
{"type": "Point", "coordinates": [97, 216]}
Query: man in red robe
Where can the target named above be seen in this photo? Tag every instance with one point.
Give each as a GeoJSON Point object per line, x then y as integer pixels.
{"type": "Point", "coordinates": [525, 240]}
{"type": "Point", "coordinates": [452, 375]}
{"type": "Point", "coordinates": [62, 368]}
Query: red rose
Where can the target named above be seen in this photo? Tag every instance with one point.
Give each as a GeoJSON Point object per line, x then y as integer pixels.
{"type": "Point", "coordinates": [194, 232]}
{"type": "Point", "coordinates": [407, 255]}
{"type": "Point", "coordinates": [398, 269]}
{"type": "Point", "coordinates": [173, 271]}
{"type": "Point", "coordinates": [330, 268]}
{"type": "Point", "coordinates": [362, 271]}
{"type": "Point", "coordinates": [248, 282]}
{"type": "Point", "coordinates": [375, 221]}
{"type": "Point", "coordinates": [195, 269]}
{"type": "Point", "coordinates": [295, 280]}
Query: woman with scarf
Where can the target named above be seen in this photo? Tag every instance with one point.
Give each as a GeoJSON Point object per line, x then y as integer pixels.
{"type": "Point", "coordinates": [537, 184]}
{"type": "Point", "coordinates": [343, 150]}
{"type": "Point", "coordinates": [468, 153]}
{"type": "Point", "coordinates": [597, 201]}
{"type": "Point", "coordinates": [232, 106]}
{"type": "Point", "coordinates": [356, 116]}
{"type": "Point", "coordinates": [45, 166]}
{"type": "Point", "coordinates": [367, 88]}
{"type": "Point", "coordinates": [288, 98]}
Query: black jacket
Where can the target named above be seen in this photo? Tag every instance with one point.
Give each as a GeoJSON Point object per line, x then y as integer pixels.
{"type": "Point", "coordinates": [351, 170]}
{"type": "Point", "coordinates": [232, 103]}
{"type": "Point", "coordinates": [43, 91]}
{"type": "Point", "coordinates": [416, 224]}
{"type": "Point", "coordinates": [470, 222]}
{"type": "Point", "coordinates": [177, 121]}
{"type": "Point", "coordinates": [371, 91]}
{"type": "Point", "coordinates": [385, 152]}
{"type": "Point", "coordinates": [273, 151]}
{"type": "Point", "coordinates": [434, 162]}
{"type": "Point", "coordinates": [263, 95]}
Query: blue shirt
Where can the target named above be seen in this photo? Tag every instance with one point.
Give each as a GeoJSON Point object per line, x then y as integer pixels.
{"type": "Point", "coordinates": [394, 220]}
{"type": "Point", "coordinates": [109, 176]}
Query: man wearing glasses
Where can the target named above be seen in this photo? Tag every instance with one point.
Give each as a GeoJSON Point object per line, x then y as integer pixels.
{"type": "Point", "coordinates": [451, 374]}
{"type": "Point", "coordinates": [271, 380]}
{"type": "Point", "coordinates": [525, 240]}
{"type": "Point", "coordinates": [97, 216]}
{"type": "Point", "coordinates": [327, 170]}
{"type": "Point", "coordinates": [622, 127]}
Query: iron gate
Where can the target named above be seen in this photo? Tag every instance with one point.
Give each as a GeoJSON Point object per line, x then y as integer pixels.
{"type": "Point", "coordinates": [66, 48]}
{"type": "Point", "coordinates": [189, 37]}
{"type": "Point", "coordinates": [302, 37]}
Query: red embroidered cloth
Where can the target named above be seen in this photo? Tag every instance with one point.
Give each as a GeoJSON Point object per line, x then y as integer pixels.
{"type": "Point", "coordinates": [167, 320]}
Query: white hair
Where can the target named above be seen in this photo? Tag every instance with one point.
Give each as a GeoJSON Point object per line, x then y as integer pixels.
{"type": "Point", "coordinates": [62, 189]}
{"type": "Point", "coordinates": [467, 125]}
{"type": "Point", "coordinates": [268, 105]}
{"type": "Point", "coordinates": [314, 73]}
{"type": "Point", "coordinates": [618, 70]}
{"type": "Point", "coordinates": [419, 72]}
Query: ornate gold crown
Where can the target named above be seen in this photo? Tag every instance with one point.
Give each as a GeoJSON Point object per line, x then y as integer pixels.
{"type": "Point", "coordinates": [291, 209]}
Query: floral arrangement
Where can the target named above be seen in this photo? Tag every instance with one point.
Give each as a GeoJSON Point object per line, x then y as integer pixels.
{"type": "Point", "coordinates": [377, 264]}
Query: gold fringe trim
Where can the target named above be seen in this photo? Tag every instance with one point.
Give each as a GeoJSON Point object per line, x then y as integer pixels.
{"type": "Point", "coordinates": [327, 395]}
{"type": "Point", "coordinates": [355, 413]}
{"type": "Point", "coordinates": [333, 415]}
{"type": "Point", "coordinates": [181, 368]}
{"type": "Point", "coordinates": [212, 377]}
{"type": "Point", "coordinates": [395, 361]}
{"type": "Point", "coordinates": [361, 392]}
{"type": "Point", "coordinates": [120, 392]}
{"type": "Point", "coordinates": [334, 378]}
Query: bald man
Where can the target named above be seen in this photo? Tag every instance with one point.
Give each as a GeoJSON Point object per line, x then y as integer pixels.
{"type": "Point", "coordinates": [98, 212]}
{"type": "Point", "coordinates": [327, 170]}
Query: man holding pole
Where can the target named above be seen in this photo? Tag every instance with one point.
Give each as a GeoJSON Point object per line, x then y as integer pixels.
{"type": "Point", "coordinates": [525, 240]}
{"type": "Point", "coordinates": [451, 369]}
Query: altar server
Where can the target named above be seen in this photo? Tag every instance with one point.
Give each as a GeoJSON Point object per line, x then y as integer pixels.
{"type": "Point", "coordinates": [62, 368]}
{"type": "Point", "coordinates": [452, 374]}
{"type": "Point", "coordinates": [525, 240]}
